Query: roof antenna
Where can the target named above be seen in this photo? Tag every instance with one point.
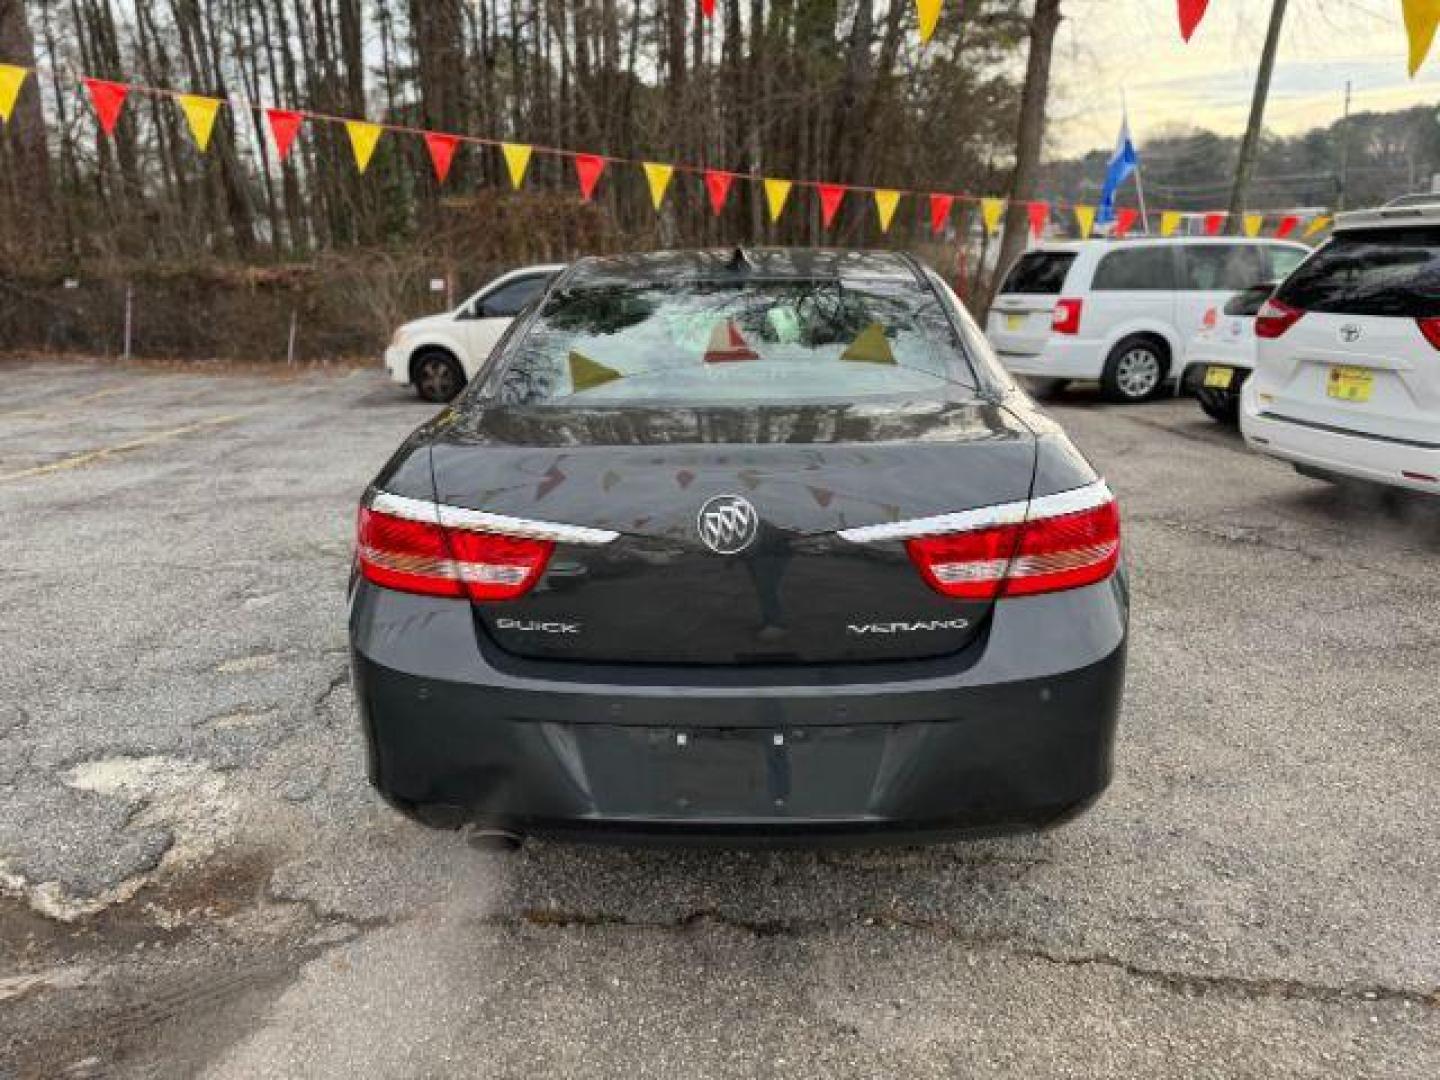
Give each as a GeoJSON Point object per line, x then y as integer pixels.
{"type": "Point", "coordinates": [739, 262]}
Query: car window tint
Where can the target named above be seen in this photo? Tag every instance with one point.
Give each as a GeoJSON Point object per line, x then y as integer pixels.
{"type": "Point", "coordinates": [1136, 269]}
{"type": "Point", "coordinates": [1284, 260]}
{"type": "Point", "coordinates": [1371, 272]}
{"type": "Point", "coordinates": [510, 299]}
{"type": "Point", "coordinates": [735, 342]}
{"type": "Point", "coordinates": [1040, 272]}
{"type": "Point", "coordinates": [1247, 304]}
{"type": "Point", "coordinates": [1224, 267]}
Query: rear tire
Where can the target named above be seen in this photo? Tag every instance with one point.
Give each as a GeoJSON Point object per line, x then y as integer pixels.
{"type": "Point", "coordinates": [1136, 369]}
{"type": "Point", "coordinates": [437, 376]}
{"type": "Point", "coordinates": [1222, 406]}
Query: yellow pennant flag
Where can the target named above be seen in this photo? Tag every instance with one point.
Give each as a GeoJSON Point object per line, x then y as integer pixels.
{"type": "Point", "coordinates": [200, 113]}
{"type": "Point", "coordinates": [658, 177]}
{"type": "Point", "coordinates": [776, 192]}
{"type": "Point", "coordinates": [1253, 224]}
{"type": "Point", "coordinates": [992, 210]}
{"type": "Point", "coordinates": [1319, 225]}
{"type": "Point", "coordinates": [363, 137]}
{"type": "Point", "coordinates": [1085, 219]}
{"type": "Point", "coordinates": [1170, 221]}
{"type": "Point", "coordinates": [517, 160]}
{"type": "Point", "coordinates": [1422, 17]}
{"type": "Point", "coordinates": [929, 11]}
{"type": "Point", "coordinates": [11, 79]}
{"type": "Point", "coordinates": [885, 204]}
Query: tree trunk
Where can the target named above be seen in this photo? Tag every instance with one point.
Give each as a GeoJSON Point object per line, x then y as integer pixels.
{"type": "Point", "coordinates": [1029, 142]}
{"type": "Point", "coordinates": [1250, 148]}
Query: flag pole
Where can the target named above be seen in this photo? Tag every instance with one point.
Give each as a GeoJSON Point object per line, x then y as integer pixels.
{"type": "Point", "coordinates": [1139, 168]}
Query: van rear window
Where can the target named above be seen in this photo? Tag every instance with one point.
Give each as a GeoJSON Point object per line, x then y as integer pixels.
{"type": "Point", "coordinates": [1040, 273]}
{"type": "Point", "coordinates": [1393, 272]}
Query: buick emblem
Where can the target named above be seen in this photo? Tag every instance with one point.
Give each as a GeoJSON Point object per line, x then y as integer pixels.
{"type": "Point", "coordinates": [1350, 333]}
{"type": "Point", "coordinates": [728, 524]}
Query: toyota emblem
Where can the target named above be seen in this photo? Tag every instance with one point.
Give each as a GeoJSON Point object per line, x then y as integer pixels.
{"type": "Point", "coordinates": [1350, 333]}
{"type": "Point", "coordinates": [728, 524]}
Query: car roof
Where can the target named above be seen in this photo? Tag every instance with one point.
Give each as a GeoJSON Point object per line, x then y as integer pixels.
{"type": "Point", "coordinates": [1389, 217]}
{"type": "Point", "coordinates": [1075, 247]}
{"type": "Point", "coordinates": [757, 262]}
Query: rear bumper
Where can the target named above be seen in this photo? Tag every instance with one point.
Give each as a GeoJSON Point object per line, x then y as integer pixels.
{"type": "Point", "coordinates": [1014, 734]}
{"type": "Point", "coordinates": [1061, 358]}
{"type": "Point", "coordinates": [1354, 454]}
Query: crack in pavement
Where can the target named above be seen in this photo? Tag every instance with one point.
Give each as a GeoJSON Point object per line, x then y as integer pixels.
{"type": "Point", "coordinates": [1180, 982]}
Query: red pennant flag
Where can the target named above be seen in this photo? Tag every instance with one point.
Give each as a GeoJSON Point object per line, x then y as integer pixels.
{"type": "Point", "coordinates": [1214, 223]}
{"type": "Point", "coordinates": [107, 97]}
{"type": "Point", "coordinates": [1125, 219]}
{"type": "Point", "coordinates": [442, 152]}
{"type": "Point", "coordinates": [718, 185]}
{"type": "Point", "coordinates": [1191, 12]}
{"type": "Point", "coordinates": [588, 168]}
{"type": "Point", "coordinates": [1288, 224]}
{"type": "Point", "coordinates": [1039, 218]}
{"type": "Point", "coordinates": [831, 196]}
{"type": "Point", "coordinates": [940, 207]}
{"type": "Point", "coordinates": [728, 345]}
{"type": "Point", "coordinates": [284, 126]}
{"type": "Point", "coordinates": [707, 7]}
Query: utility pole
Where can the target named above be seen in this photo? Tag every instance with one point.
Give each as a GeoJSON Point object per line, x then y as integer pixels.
{"type": "Point", "coordinates": [1344, 150]}
{"type": "Point", "coordinates": [1250, 148]}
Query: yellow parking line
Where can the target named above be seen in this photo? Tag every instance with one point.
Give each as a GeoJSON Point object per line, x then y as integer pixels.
{"type": "Point", "coordinates": [77, 460]}
{"type": "Point", "coordinates": [82, 400]}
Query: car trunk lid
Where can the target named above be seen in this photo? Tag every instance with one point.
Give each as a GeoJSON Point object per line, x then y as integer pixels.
{"type": "Point", "coordinates": [798, 592]}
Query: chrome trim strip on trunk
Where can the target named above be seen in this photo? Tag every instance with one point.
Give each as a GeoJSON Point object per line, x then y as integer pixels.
{"type": "Point", "coordinates": [985, 517]}
{"type": "Point", "coordinates": [458, 517]}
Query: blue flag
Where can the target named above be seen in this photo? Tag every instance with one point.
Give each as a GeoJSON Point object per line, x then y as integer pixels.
{"type": "Point", "coordinates": [1122, 163]}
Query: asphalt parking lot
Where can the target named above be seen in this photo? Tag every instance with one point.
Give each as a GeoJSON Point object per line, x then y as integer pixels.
{"type": "Point", "coordinates": [197, 881]}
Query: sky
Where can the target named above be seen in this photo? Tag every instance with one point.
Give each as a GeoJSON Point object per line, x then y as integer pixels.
{"type": "Point", "coordinates": [1132, 48]}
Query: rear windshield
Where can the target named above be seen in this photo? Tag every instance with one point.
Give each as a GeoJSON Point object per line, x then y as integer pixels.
{"type": "Point", "coordinates": [1247, 305]}
{"type": "Point", "coordinates": [1371, 272]}
{"type": "Point", "coordinates": [744, 342]}
{"type": "Point", "coordinates": [1039, 272]}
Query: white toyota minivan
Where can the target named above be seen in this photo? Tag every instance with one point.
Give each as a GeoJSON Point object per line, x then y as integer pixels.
{"type": "Point", "coordinates": [1347, 378]}
{"type": "Point", "coordinates": [1121, 311]}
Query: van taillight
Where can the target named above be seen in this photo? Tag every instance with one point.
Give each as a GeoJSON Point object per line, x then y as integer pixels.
{"type": "Point", "coordinates": [1041, 555]}
{"type": "Point", "coordinates": [1431, 329]}
{"type": "Point", "coordinates": [1275, 318]}
{"type": "Point", "coordinates": [1066, 319]}
{"type": "Point", "coordinates": [427, 558]}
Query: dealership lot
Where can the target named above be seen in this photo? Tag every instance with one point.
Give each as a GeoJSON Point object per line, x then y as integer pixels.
{"type": "Point", "coordinates": [197, 879]}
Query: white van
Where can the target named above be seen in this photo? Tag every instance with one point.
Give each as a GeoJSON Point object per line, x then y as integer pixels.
{"type": "Point", "coordinates": [1121, 311]}
{"type": "Point", "coordinates": [1347, 379]}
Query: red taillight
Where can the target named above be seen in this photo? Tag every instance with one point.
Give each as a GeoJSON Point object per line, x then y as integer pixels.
{"type": "Point", "coordinates": [1431, 329]}
{"type": "Point", "coordinates": [1042, 555]}
{"type": "Point", "coordinates": [421, 557]}
{"type": "Point", "coordinates": [1272, 320]}
{"type": "Point", "coordinates": [1066, 319]}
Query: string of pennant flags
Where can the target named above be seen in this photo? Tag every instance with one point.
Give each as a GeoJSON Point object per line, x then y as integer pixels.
{"type": "Point", "coordinates": [107, 99]}
{"type": "Point", "coordinates": [1421, 17]}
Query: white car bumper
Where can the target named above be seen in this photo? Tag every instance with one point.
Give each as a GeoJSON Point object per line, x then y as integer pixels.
{"type": "Point", "coordinates": [397, 362]}
{"type": "Point", "coordinates": [1365, 457]}
{"type": "Point", "coordinates": [1061, 358]}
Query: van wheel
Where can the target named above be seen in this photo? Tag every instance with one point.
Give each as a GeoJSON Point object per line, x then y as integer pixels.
{"type": "Point", "coordinates": [1135, 370]}
{"type": "Point", "coordinates": [437, 375]}
{"type": "Point", "coordinates": [1222, 406]}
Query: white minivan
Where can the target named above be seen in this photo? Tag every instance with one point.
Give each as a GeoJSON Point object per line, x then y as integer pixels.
{"type": "Point", "coordinates": [1347, 378]}
{"type": "Point", "coordinates": [1121, 311]}
{"type": "Point", "coordinates": [439, 354]}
